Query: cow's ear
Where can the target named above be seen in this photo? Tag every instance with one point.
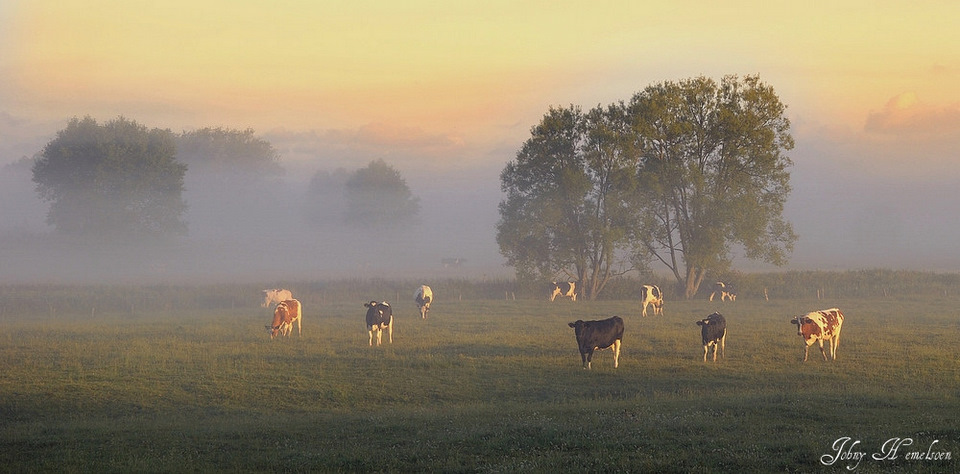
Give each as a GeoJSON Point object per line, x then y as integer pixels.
{"type": "Point", "coordinates": [573, 325]}
{"type": "Point", "coordinates": [794, 321]}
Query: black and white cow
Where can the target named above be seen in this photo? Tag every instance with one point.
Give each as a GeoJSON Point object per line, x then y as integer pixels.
{"type": "Point", "coordinates": [724, 290]}
{"type": "Point", "coordinates": [379, 317]}
{"type": "Point", "coordinates": [564, 288]}
{"type": "Point", "coordinates": [423, 297]}
{"type": "Point", "coordinates": [593, 335]}
{"type": "Point", "coordinates": [713, 332]}
{"type": "Point", "coordinates": [651, 295]}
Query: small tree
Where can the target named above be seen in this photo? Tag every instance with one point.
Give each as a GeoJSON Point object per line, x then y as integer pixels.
{"type": "Point", "coordinates": [378, 194]}
{"type": "Point", "coordinates": [228, 155]}
{"type": "Point", "coordinates": [564, 212]}
{"type": "Point", "coordinates": [115, 179]}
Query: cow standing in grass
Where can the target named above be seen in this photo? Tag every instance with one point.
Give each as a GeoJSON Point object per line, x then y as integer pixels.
{"type": "Point", "coordinates": [564, 288]}
{"type": "Point", "coordinates": [284, 315]}
{"type": "Point", "coordinates": [593, 335]}
{"type": "Point", "coordinates": [713, 332]}
{"type": "Point", "coordinates": [725, 291]}
{"type": "Point", "coordinates": [423, 297]}
{"type": "Point", "coordinates": [379, 317]}
{"type": "Point", "coordinates": [820, 326]}
{"type": "Point", "coordinates": [651, 295]}
{"type": "Point", "coordinates": [275, 296]}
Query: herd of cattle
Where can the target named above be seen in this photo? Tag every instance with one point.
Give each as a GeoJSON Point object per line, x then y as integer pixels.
{"type": "Point", "coordinates": [813, 327]}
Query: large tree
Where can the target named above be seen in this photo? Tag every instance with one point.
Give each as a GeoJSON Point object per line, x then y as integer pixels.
{"type": "Point", "coordinates": [565, 210]}
{"type": "Point", "coordinates": [713, 175]}
{"type": "Point", "coordinates": [115, 179]}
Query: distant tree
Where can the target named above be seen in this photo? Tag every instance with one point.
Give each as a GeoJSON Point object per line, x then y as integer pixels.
{"type": "Point", "coordinates": [565, 211]}
{"type": "Point", "coordinates": [228, 155]}
{"type": "Point", "coordinates": [378, 194]}
{"type": "Point", "coordinates": [713, 175]}
{"type": "Point", "coordinates": [115, 179]}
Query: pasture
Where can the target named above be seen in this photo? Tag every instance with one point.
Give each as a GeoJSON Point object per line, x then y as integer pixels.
{"type": "Point", "coordinates": [483, 385]}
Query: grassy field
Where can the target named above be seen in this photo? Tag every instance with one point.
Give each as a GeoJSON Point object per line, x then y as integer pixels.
{"type": "Point", "coordinates": [482, 386]}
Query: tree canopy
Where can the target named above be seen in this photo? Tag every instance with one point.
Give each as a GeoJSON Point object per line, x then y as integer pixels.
{"type": "Point", "coordinates": [228, 155]}
{"type": "Point", "coordinates": [378, 194]}
{"type": "Point", "coordinates": [680, 175]}
{"type": "Point", "coordinates": [115, 179]}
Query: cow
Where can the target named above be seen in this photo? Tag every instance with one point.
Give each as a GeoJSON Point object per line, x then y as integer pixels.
{"type": "Point", "coordinates": [592, 335]}
{"type": "Point", "coordinates": [651, 295]}
{"type": "Point", "coordinates": [725, 291]}
{"type": "Point", "coordinates": [275, 296]}
{"type": "Point", "coordinates": [713, 332]}
{"type": "Point", "coordinates": [820, 326]}
{"type": "Point", "coordinates": [284, 315]}
{"type": "Point", "coordinates": [379, 317]}
{"type": "Point", "coordinates": [565, 289]}
{"type": "Point", "coordinates": [423, 297]}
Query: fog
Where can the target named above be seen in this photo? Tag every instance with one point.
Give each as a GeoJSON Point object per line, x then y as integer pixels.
{"type": "Point", "coordinates": [266, 231]}
{"type": "Point", "coordinates": [850, 208]}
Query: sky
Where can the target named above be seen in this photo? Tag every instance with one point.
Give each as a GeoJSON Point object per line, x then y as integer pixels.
{"type": "Point", "coordinates": [448, 91]}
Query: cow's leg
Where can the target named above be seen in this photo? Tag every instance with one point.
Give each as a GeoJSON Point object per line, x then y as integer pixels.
{"type": "Point", "coordinates": [583, 359]}
{"type": "Point", "coordinates": [390, 330]}
{"type": "Point", "coordinates": [589, 358]}
{"type": "Point", "coordinates": [370, 331]}
{"type": "Point", "coordinates": [806, 352]}
{"type": "Point", "coordinates": [573, 297]}
{"type": "Point", "coordinates": [822, 352]}
{"type": "Point", "coordinates": [723, 346]}
{"type": "Point", "coordinates": [644, 313]}
{"type": "Point", "coordinates": [711, 295]}
{"type": "Point", "coordinates": [834, 344]}
{"type": "Point", "coordinates": [706, 348]}
{"type": "Point", "coordinates": [616, 353]}
{"type": "Point", "coordinates": [299, 329]}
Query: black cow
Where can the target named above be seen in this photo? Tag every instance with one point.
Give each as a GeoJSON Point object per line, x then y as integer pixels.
{"type": "Point", "coordinates": [713, 330]}
{"type": "Point", "coordinates": [592, 335]}
{"type": "Point", "coordinates": [379, 317]}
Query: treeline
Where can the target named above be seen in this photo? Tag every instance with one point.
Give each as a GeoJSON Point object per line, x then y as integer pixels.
{"type": "Point", "coordinates": [53, 300]}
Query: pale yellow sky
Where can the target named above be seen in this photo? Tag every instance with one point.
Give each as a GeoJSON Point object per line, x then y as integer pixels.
{"type": "Point", "coordinates": [468, 70]}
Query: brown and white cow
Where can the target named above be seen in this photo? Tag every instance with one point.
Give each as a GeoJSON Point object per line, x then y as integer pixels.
{"type": "Point", "coordinates": [725, 291]}
{"type": "Point", "coordinates": [284, 315]}
{"type": "Point", "coordinates": [713, 332]}
{"type": "Point", "coordinates": [379, 317]}
{"type": "Point", "coordinates": [275, 296]}
{"type": "Point", "coordinates": [593, 335]}
{"type": "Point", "coordinates": [651, 295]}
{"type": "Point", "coordinates": [820, 326]}
{"type": "Point", "coordinates": [564, 288]}
{"type": "Point", "coordinates": [423, 297]}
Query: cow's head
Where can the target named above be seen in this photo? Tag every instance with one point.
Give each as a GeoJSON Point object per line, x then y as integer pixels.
{"type": "Point", "coordinates": [579, 326]}
{"type": "Point", "coordinates": [714, 318]}
{"type": "Point", "coordinates": [807, 328]}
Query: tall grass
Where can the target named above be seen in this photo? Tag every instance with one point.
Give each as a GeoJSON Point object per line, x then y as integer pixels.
{"type": "Point", "coordinates": [482, 386]}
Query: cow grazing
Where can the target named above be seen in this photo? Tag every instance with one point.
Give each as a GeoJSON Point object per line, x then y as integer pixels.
{"type": "Point", "coordinates": [423, 297]}
{"type": "Point", "coordinates": [593, 335]}
{"type": "Point", "coordinates": [379, 317]}
{"type": "Point", "coordinates": [651, 295]}
{"type": "Point", "coordinates": [284, 315]}
{"type": "Point", "coordinates": [713, 332]}
{"type": "Point", "coordinates": [724, 290]}
{"type": "Point", "coordinates": [565, 289]}
{"type": "Point", "coordinates": [820, 326]}
{"type": "Point", "coordinates": [275, 296]}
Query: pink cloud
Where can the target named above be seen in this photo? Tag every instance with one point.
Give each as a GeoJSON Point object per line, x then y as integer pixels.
{"type": "Point", "coordinates": [905, 114]}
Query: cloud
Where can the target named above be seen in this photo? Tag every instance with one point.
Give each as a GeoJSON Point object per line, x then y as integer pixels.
{"type": "Point", "coordinates": [907, 115]}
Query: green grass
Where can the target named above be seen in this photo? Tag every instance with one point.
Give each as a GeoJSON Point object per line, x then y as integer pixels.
{"type": "Point", "coordinates": [483, 385]}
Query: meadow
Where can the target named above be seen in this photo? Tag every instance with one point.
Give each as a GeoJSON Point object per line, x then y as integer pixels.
{"type": "Point", "coordinates": [483, 385]}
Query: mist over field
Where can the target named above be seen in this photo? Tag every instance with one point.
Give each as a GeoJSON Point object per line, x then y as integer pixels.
{"type": "Point", "coordinates": [847, 216]}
